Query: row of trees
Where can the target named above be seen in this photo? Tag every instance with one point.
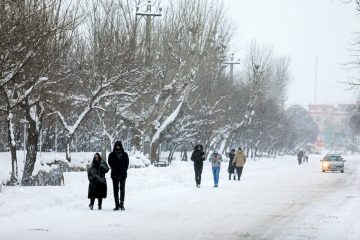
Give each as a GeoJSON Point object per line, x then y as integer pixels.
{"type": "Point", "coordinates": [79, 77]}
{"type": "Point", "coordinates": [354, 65]}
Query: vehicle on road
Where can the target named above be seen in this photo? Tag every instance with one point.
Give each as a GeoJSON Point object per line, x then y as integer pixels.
{"type": "Point", "coordinates": [332, 162]}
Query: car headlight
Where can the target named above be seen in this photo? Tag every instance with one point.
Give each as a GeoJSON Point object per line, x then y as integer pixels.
{"type": "Point", "coordinates": [325, 164]}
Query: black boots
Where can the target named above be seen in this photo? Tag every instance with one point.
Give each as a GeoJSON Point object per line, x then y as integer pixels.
{"type": "Point", "coordinates": [91, 205]}
{"type": "Point", "coordinates": [122, 206]}
{"type": "Point", "coordinates": [119, 206]}
{"type": "Point", "coordinates": [99, 203]}
{"type": "Point", "coordinates": [230, 177]}
{"type": "Point", "coordinates": [92, 201]}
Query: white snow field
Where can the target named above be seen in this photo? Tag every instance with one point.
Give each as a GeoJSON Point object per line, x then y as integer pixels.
{"type": "Point", "coordinates": [276, 199]}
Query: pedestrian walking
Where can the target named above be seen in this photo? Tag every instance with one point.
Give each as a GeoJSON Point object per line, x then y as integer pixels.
{"type": "Point", "coordinates": [119, 164]}
{"type": "Point", "coordinates": [306, 156]}
{"type": "Point", "coordinates": [97, 181]}
{"type": "Point", "coordinates": [300, 156]}
{"type": "Point", "coordinates": [198, 157]}
{"type": "Point", "coordinates": [231, 167]}
{"type": "Point", "coordinates": [216, 160]}
{"type": "Point", "coordinates": [239, 162]}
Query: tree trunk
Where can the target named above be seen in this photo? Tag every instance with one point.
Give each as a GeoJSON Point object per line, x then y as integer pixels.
{"type": "Point", "coordinates": [153, 151]}
{"type": "Point", "coordinates": [136, 141]}
{"type": "Point", "coordinates": [103, 146]}
{"type": "Point", "coordinates": [229, 140]}
{"type": "Point", "coordinates": [12, 144]}
{"type": "Point", "coordinates": [171, 153]}
{"type": "Point", "coordinates": [185, 153]}
{"type": "Point", "coordinates": [31, 152]}
{"type": "Point", "coordinates": [14, 166]}
{"type": "Point", "coordinates": [68, 144]}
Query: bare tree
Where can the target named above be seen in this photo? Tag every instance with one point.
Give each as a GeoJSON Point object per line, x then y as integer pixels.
{"type": "Point", "coordinates": [27, 28]}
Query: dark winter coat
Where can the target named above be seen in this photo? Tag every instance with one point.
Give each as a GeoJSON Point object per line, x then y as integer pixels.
{"type": "Point", "coordinates": [97, 180]}
{"type": "Point", "coordinates": [231, 168]}
{"type": "Point", "coordinates": [119, 163]}
{"type": "Point", "coordinates": [300, 155]}
{"type": "Point", "coordinates": [198, 155]}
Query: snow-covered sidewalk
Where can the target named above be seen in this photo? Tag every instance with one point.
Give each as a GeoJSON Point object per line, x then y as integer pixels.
{"type": "Point", "coordinates": [276, 199]}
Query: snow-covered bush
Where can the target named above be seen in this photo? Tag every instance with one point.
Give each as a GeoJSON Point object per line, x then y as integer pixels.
{"type": "Point", "coordinates": [138, 160]}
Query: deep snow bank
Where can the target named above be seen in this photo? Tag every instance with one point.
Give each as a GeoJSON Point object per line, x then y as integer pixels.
{"type": "Point", "coordinates": [79, 160]}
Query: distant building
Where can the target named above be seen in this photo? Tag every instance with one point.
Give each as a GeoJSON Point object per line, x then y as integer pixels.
{"type": "Point", "coordinates": [333, 123]}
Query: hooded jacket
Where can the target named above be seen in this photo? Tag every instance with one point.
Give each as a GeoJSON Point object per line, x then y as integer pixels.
{"type": "Point", "coordinates": [119, 162]}
{"type": "Point", "coordinates": [198, 155]}
{"type": "Point", "coordinates": [231, 156]}
{"type": "Point", "coordinates": [97, 180]}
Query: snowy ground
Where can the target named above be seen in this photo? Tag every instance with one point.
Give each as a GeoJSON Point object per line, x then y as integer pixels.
{"type": "Point", "coordinates": [276, 199]}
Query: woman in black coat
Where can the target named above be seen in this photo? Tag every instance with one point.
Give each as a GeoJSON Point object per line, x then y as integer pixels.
{"type": "Point", "coordinates": [97, 180]}
{"type": "Point", "coordinates": [231, 168]}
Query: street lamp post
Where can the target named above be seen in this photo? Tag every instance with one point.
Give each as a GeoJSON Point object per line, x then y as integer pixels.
{"type": "Point", "coordinates": [232, 62]}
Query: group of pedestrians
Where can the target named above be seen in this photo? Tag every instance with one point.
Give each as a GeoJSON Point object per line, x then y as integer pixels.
{"type": "Point", "coordinates": [237, 162]}
{"type": "Point", "coordinates": [119, 164]}
{"type": "Point", "coordinates": [303, 156]}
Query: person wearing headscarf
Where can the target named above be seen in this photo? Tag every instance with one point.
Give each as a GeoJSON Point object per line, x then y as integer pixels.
{"type": "Point", "coordinates": [97, 181]}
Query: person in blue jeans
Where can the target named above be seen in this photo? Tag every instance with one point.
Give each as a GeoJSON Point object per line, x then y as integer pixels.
{"type": "Point", "coordinates": [216, 160]}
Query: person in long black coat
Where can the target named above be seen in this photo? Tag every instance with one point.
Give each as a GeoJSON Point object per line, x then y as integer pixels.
{"type": "Point", "coordinates": [231, 168]}
{"type": "Point", "coordinates": [300, 156]}
{"type": "Point", "coordinates": [97, 181]}
{"type": "Point", "coordinates": [119, 164]}
{"type": "Point", "coordinates": [198, 157]}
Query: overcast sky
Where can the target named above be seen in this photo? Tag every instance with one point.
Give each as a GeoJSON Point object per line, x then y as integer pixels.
{"type": "Point", "coordinates": [302, 30]}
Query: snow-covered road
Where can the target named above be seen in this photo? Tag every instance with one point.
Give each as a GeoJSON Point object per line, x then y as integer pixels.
{"type": "Point", "coordinates": [276, 199]}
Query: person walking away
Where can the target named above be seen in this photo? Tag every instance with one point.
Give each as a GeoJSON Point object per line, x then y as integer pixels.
{"type": "Point", "coordinates": [239, 162]}
{"type": "Point", "coordinates": [198, 157]}
{"type": "Point", "coordinates": [97, 181]}
{"type": "Point", "coordinates": [231, 168]}
{"type": "Point", "coordinates": [306, 156]}
{"type": "Point", "coordinates": [119, 164]}
{"type": "Point", "coordinates": [300, 156]}
{"type": "Point", "coordinates": [216, 160]}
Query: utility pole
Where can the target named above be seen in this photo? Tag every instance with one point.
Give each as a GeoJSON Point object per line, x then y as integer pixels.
{"type": "Point", "coordinates": [148, 15]}
{"type": "Point", "coordinates": [232, 63]}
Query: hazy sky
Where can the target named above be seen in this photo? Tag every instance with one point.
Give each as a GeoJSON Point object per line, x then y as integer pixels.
{"type": "Point", "coordinates": [302, 30]}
